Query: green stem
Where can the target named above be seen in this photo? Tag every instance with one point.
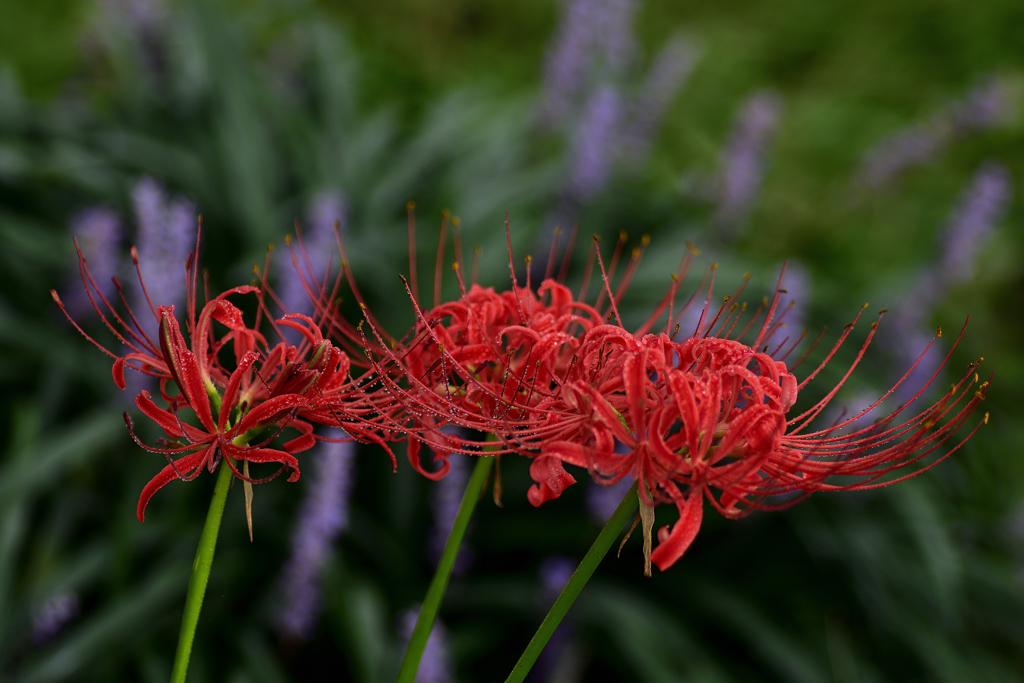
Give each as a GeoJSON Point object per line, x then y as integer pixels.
{"type": "Point", "coordinates": [432, 600]}
{"type": "Point", "coordinates": [579, 579]}
{"type": "Point", "coordinates": [200, 575]}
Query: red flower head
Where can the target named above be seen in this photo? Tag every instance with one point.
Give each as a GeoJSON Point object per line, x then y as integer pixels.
{"type": "Point", "coordinates": [710, 417]}
{"type": "Point", "coordinates": [482, 361]}
{"type": "Point", "coordinates": [242, 408]}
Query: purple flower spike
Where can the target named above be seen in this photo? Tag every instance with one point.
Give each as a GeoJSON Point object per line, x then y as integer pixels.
{"type": "Point", "coordinates": [793, 305]}
{"type": "Point", "coordinates": [326, 209]}
{"type": "Point", "coordinates": [145, 17]}
{"type": "Point", "coordinates": [321, 519]}
{"type": "Point", "coordinates": [670, 69]}
{"type": "Point", "coordinates": [53, 616]}
{"type": "Point", "coordinates": [166, 235]}
{"type": "Point", "coordinates": [742, 163]}
{"type": "Point", "coordinates": [445, 498]}
{"type": "Point", "coordinates": [435, 666]}
{"type": "Point", "coordinates": [602, 500]}
{"type": "Point", "coordinates": [982, 205]}
{"type": "Point", "coordinates": [98, 232]}
{"type": "Point", "coordinates": [984, 107]}
{"type": "Point", "coordinates": [555, 572]}
{"type": "Point", "coordinates": [594, 41]}
{"type": "Point", "coordinates": [595, 144]}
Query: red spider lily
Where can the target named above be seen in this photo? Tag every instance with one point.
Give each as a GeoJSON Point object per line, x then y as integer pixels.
{"type": "Point", "coordinates": [483, 361]}
{"type": "Point", "coordinates": [709, 417]}
{"type": "Point", "coordinates": [268, 389]}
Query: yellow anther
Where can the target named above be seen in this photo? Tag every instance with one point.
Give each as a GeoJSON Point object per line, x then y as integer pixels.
{"type": "Point", "coordinates": [456, 221]}
{"type": "Point", "coordinates": [884, 310]}
{"type": "Point", "coordinates": [455, 266]}
{"type": "Point", "coordinates": [623, 236]}
{"type": "Point", "coordinates": [675, 278]}
{"type": "Point", "coordinates": [287, 240]}
{"type": "Point", "coordinates": [692, 249]}
{"type": "Point", "coordinates": [410, 205]}
{"type": "Point", "coordinates": [939, 332]}
{"type": "Point", "coordinates": [984, 420]}
{"type": "Point", "coordinates": [645, 240]}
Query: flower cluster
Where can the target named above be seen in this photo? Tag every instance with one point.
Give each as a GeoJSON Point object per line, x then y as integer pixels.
{"type": "Point", "coordinates": [706, 414]}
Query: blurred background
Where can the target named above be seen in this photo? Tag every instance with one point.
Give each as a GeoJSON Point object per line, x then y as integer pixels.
{"type": "Point", "coordinates": [876, 145]}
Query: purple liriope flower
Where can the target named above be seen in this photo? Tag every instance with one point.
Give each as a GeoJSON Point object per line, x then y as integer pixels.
{"type": "Point", "coordinates": [982, 205]}
{"type": "Point", "coordinates": [594, 43]}
{"type": "Point", "coordinates": [794, 300]}
{"type": "Point", "coordinates": [435, 666]}
{"type": "Point", "coordinates": [323, 516]}
{"type": "Point", "coordinates": [980, 208]}
{"type": "Point", "coordinates": [595, 144]}
{"type": "Point", "coordinates": [51, 618]}
{"type": "Point", "coordinates": [326, 209]}
{"type": "Point", "coordinates": [851, 409]}
{"type": "Point", "coordinates": [742, 163]}
{"type": "Point", "coordinates": [670, 69]}
{"type": "Point", "coordinates": [445, 498]}
{"type": "Point", "coordinates": [602, 500]}
{"type": "Point", "coordinates": [166, 235]}
{"type": "Point", "coordinates": [144, 17]}
{"type": "Point", "coordinates": [98, 233]}
{"type": "Point", "coordinates": [908, 350]}
{"type": "Point", "coordinates": [983, 107]}
{"type": "Point", "coordinates": [555, 573]}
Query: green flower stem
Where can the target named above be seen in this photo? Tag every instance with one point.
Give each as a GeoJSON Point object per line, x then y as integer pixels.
{"type": "Point", "coordinates": [579, 579]}
{"type": "Point", "coordinates": [200, 575]}
{"type": "Point", "coordinates": [432, 600]}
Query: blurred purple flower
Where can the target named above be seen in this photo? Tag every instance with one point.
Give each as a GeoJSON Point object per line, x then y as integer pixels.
{"type": "Point", "coordinates": [794, 301]}
{"type": "Point", "coordinates": [559, 656]}
{"type": "Point", "coordinates": [323, 516]}
{"type": "Point", "coordinates": [98, 232]}
{"type": "Point", "coordinates": [983, 107]}
{"type": "Point", "coordinates": [602, 500]}
{"type": "Point", "coordinates": [166, 235]}
{"type": "Point", "coordinates": [594, 41]}
{"type": "Point", "coordinates": [325, 209]}
{"type": "Point", "coordinates": [143, 17]}
{"type": "Point", "coordinates": [445, 498]}
{"type": "Point", "coordinates": [435, 666]}
{"type": "Point", "coordinates": [982, 205]}
{"type": "Point", "coordinates": [555, 572]}
{"type": "Point", "coordinates": [53, 616]}
{"type": "Point", "coordinates": [670, 68]}
{"type": "Point", "coordinates": [742, 163]}
{"type": "Point", "coordinates": [595, 144]}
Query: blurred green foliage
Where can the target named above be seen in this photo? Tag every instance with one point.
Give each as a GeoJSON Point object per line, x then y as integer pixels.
{"type": "Point", "coordinates": [252, 108]}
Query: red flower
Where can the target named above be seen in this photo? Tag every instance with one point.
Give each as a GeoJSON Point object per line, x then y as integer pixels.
{"type": "Point", "coordinates": [227, 424]}
{"type": "Point", "coordinates": [709, 417]}
{"type": "Point", "coordinates": [266, 391]}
